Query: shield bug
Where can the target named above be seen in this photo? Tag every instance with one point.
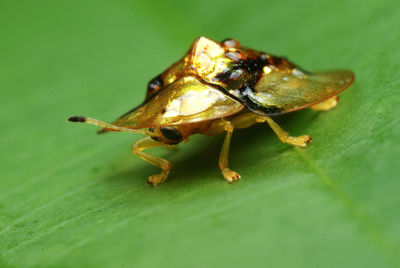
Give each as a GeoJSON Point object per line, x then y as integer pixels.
{"type": "Point", "coordinates": [219, 87]}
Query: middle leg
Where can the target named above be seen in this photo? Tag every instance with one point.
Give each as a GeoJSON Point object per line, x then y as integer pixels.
{"type": "Point", "coordinates": [228, 174]}
{"type": "Point", "coordinates": [219, 127]}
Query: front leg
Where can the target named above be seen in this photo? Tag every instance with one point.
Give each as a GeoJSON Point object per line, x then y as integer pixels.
{"type": "Point", "coordinates": [301, 141]}
{"type": "Point", "coordinates": [146, 143]}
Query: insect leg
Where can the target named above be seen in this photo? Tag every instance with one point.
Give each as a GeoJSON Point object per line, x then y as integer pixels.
{"type": "Point", "coordinates": [326, 105]}
{"type": "Point", "coordinates": [302, 141]}
{"type": "Point", "coordinates": [228, 174]}
{"type": "Point", "coordinates": [146, 143]}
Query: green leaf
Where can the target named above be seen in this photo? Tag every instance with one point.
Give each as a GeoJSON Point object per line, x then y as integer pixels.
{"type": "Point", "coordinates": [71, 198]}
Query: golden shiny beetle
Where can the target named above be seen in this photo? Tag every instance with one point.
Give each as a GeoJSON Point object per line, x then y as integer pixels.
{"type": "Point", "coordinates": [216, 88]}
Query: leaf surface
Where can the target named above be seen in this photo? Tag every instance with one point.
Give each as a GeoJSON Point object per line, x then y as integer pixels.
{"type": "Point", "coordinates": [71, 198]}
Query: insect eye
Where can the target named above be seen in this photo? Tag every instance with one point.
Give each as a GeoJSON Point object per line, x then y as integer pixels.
{"type": "Point", "coordinates": [171, 133]}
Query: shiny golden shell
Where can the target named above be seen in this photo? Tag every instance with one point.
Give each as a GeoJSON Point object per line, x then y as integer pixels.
{"type": "Point", "coordinates": [277, 92]}
{"type": "Point", "coordinates": [185, 101]}
{"type": "Point", "coordinates": [215, 80]}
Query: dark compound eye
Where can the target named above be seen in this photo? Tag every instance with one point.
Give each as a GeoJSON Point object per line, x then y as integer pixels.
{"type": "Point", "coordinates": [171, 133]}
{"type": "Point", "coordinates": [155, 84]}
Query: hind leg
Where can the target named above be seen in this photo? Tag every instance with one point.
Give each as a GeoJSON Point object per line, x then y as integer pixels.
{"type": "Point", "coordinates": [165, 166]}
{"type": "Point", "coordinates": [326, 105]}
{"type": "Point", "coordinates": [301, 141]}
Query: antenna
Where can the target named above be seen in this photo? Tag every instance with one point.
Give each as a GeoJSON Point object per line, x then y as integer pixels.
{"type": "Point", "coordinates": [96, 122]}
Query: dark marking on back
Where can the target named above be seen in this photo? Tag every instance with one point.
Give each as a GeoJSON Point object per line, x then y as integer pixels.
{"type": "Point", "coordinates": [250, 65]}
{"type": "Point", "coordinates": [154, 85]}
{"type": "Point", "coordinates": [242, 72]}
{"type": "Point", "coordinates": [229, 76]}
{"type": "Point", "coordinates": [247, 95]}
{"type": "Point", "coordinates": [276, 61]}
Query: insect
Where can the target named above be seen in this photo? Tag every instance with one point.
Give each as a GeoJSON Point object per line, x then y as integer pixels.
{"type": "Point", "coordinates": [217, 88]}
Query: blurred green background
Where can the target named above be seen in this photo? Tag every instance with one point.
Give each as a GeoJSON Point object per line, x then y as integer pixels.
{"type": "Point", "coordinates": [71, 198]}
